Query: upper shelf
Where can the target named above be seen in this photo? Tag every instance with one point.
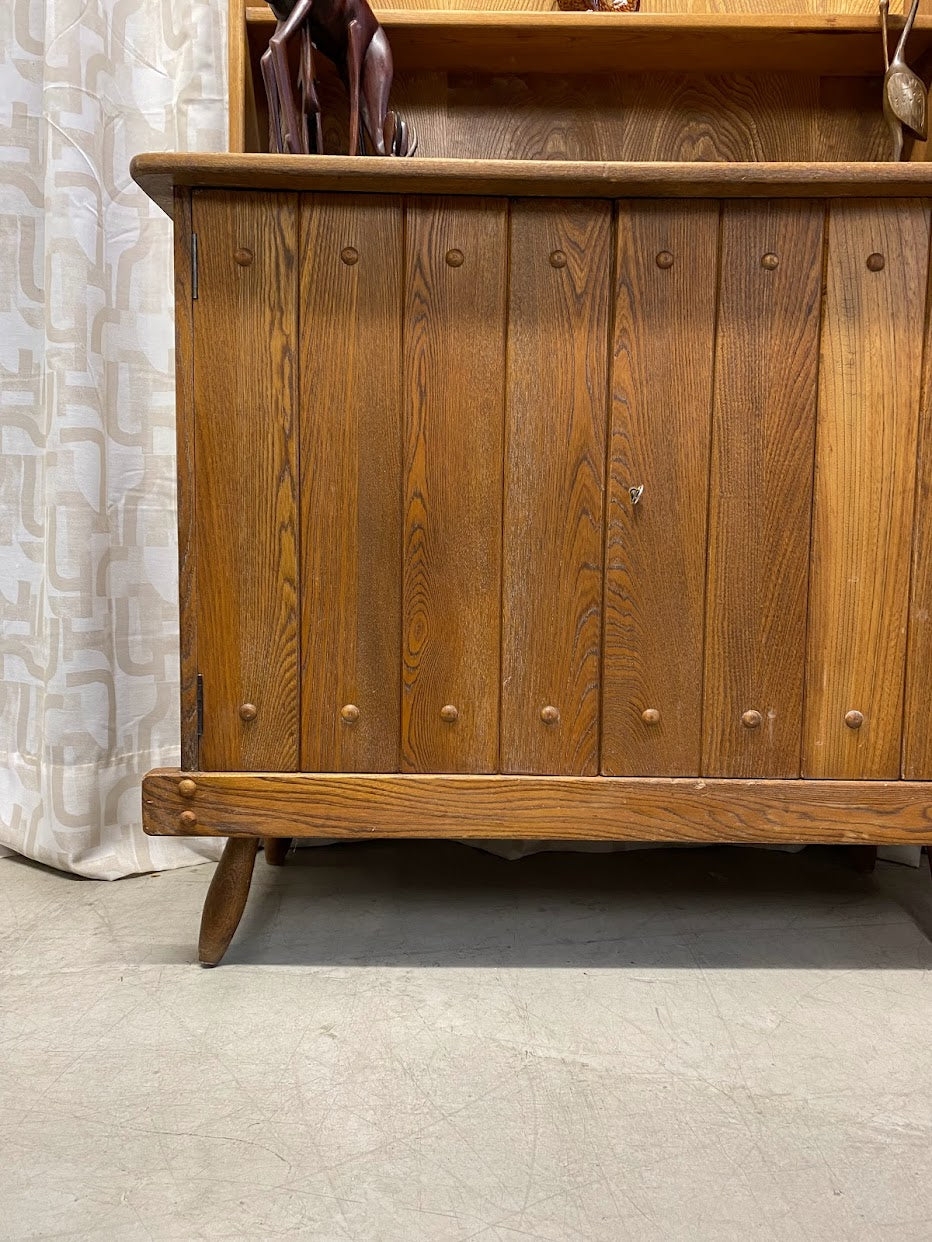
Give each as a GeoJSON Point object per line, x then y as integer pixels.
{"type": "Point", "coordinates": [159, 173]}
{"type": "Point", "coordinates": [539, 42]}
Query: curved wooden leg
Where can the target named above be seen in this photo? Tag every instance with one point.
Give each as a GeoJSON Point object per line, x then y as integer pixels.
{"type": "Point", "coordinates": [226, 898]}
{"type": "Point", "coordinates": [276, 849]}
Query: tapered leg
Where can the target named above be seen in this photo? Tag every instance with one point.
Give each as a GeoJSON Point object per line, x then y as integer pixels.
{"type": "Point", "coordinates": [226, 898]}
{"type": "Point", "coordinates": [276, 849]}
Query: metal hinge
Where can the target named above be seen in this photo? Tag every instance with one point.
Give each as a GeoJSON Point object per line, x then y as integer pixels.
{"type": "Point", "coordinates": [194, 267]}
{"type": "Point", "coordinates": [200, 704]}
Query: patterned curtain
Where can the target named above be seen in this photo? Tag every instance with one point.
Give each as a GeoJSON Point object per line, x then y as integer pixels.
{"type": "Point", "coordinates": [89, 686]}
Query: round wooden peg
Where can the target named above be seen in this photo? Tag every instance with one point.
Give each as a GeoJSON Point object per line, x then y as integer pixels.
{"type": "Point", "coordinates": [449, 713]}
{"type": "Point", "coordinates": [557, 258]}
{"type": "Point", "coordinates": [875, 262]}
{"type": "Point", "coordinates": [187, 819]}
{"type": "Point", "coordinates": [770, 262]}
{"type": "Point", "coordinates": [248, 711]}
{"type": "Point", "coordinates": [187, 787]}
{"type": "Point", "coordinates": [854, 719]}
{"type": "Point", "coordinates": [455, 258]}
{"type": "Point", "coordinates": [664, 259]}
{"type": "Point", "coordinates": [350, 713]}
{"type": "Point", "coordinates": [650, 716]}
{"type": "Point", "coordinates": [752, 719]}
{"type": "Point", "coordinates": [349, 255]}
{"type": "Point", "coordinates": [549, 714]}
{"type": "Point", "coordinates": [243, 256]}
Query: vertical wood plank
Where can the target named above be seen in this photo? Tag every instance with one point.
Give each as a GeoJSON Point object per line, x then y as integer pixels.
{"type": "Point", "coordinates": [184, 441]}
{"type": "Point", "coordinates": [245, 335]}
{"type": "Point", "coordinates": [555, 426]}
{"type": "Point", "coordinates": [454, 369]}
{"type": "Point", "coordinates": [237, 69]}
{"type": "Point", "coordinates": [665, 299]}
{"type": "Point", "coordinates": [351, 304]}
{"type": "Point", "coordinates": [761, 487]}
{"type": "Point", "coordinates": [917, 714]}
{"type": "Point", "coordinates": [864, 486]}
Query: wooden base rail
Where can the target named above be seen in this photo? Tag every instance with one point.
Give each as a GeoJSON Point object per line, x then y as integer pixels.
{"type": "Point", "coordinates": [562, 808]}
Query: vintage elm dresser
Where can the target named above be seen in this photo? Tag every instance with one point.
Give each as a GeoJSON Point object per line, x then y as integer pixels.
{"type": "Point", "coordinates": [582, 493]}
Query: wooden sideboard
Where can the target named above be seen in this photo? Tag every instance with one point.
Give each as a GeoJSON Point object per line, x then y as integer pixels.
{"type": "Point", "coordinates": [548, 500]}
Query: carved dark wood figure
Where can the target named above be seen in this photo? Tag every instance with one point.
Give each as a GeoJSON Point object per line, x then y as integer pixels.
{"type": "Point", "coordinates": [904, 95]}
{"type": "Point", "coordinates": [348, 34]}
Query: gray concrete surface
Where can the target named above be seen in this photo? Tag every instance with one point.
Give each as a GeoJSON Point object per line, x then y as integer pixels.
{"type": "Point", "coordinates": [422, 1043]}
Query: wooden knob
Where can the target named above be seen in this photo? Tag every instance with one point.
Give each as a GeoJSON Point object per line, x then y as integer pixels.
{"type": "Point", "coordinates": [664, 259]}
{"type": "Point", "coordinates": [875, 262]}
{"type": "Point", "coordinates": [448, 713]}
{"type": "Point", "coordinates": [770, 262]}
{"type": "Point", "coordinates": [455, 258]}
{"type": "Point", "coordinates": [243, 256]}
{"type": "Point", "coordinates": [549, 714]}
{"type": "Point", "coordinates": [187, 819]}
{"type": "Point", "coordinates": [854, 720]}
{"type": "Point", "coordinates": [248, 711]}
{"type": "Point", "coordinates": [751, 720]}
{"type": "Point", "coordinates": [349, 255]}
{"type": "Point", "coordinates": [650, 716]}
{"type": "Point", "coordinates": [557, 258]}
{"type": "Point", "coordinates": [350, 713]}
{"type": "Point", "coordinates": [187, 788]}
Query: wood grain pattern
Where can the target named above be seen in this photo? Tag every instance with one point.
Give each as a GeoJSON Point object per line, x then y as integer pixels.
{"type": "Point", "coordinates": [872, 336]}
{"type": "Point", "coordinates": [351, 482]}
{"type": "Point", "coordinates": [562, 807]}
{"type": "Point", "coordinates": [184, 440]}
{"type": "Point", "coordinates": [245, 340]}
{"type": "Point", "coordinates": [761, 487]}
{"type": "Point", "coordinates": [732, 117]}
{"type": "Point", "coordinates": [656, 551]}
{"type": "Point", "coordinates": [158, 174]}
{"type": "Point", "coordinates": [557, 399]}
{"type": "Point", "coordinates": [849, 125]}
{"type": "Point", "coordinates": [917, 713]}
{"type": "Point", "coordinates": [454, 367]}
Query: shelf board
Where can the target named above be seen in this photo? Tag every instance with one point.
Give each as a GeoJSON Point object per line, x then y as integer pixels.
{"type": "Point", "coordinates": [159, 173]}
{"type": "Point", "coordinates": [469, 41]}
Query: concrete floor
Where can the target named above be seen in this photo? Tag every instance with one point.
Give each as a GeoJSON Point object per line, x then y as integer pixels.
{"type": "Point", "coordinates": [422, 1043]}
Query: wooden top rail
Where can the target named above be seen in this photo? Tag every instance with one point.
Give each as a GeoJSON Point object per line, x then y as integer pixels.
{"type": "Point", "coordinates": [546, 42]}
{"type": "Point", "coordinates": [159, 174]}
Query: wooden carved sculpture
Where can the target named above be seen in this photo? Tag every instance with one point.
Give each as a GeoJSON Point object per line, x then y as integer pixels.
{"type": "Point", "coordinates": [348, 34]}
{"type": "Point", "coordinates": [904, 95]}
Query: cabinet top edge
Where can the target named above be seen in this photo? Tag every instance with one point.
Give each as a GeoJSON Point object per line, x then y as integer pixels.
{"type": "Point", "coordinates": [160, 173]}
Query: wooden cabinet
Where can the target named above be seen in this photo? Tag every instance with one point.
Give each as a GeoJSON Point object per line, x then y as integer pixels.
{"type": "Point", "coordinates": [417, 424]}
{"type": "Point", "coordinates": [554, 498]}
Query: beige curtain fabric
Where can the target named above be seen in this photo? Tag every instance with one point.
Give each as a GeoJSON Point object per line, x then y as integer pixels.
{"type": "Point", "coordinates": [89, 690]}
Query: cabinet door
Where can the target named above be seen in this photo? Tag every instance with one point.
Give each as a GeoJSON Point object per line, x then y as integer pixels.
{"type": "Point", "coordinates": [245, 344]}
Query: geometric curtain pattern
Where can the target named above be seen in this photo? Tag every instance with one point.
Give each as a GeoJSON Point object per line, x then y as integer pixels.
{"type": "Point", "coordinates": [88, 556]}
